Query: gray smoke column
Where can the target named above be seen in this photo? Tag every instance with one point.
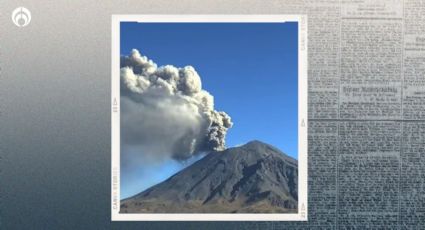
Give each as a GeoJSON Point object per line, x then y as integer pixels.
{"type": "Point", "coordinates": [166, 113]}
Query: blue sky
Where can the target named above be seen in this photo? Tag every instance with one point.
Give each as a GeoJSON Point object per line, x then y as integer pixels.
{"type": "Point", "coordinates": [249, 68]}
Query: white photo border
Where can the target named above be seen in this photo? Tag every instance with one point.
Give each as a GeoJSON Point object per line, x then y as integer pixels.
{"type": "Point", "coordinates": [302, 120]}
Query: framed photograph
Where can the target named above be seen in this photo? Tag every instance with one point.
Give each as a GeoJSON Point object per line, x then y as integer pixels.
{"type": "Point", "coordinates": [209, 118]}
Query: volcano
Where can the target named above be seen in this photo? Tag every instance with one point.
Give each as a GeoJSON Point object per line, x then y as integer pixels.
{"type": "Point", "coordinates": [253, 178]}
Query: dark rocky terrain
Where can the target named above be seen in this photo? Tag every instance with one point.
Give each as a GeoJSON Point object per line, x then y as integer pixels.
{"type": "Point", "coordinates": [253, 178]}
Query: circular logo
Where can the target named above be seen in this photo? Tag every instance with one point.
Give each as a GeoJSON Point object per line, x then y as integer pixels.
{"type": "Point", "coordinates": [21, 16]}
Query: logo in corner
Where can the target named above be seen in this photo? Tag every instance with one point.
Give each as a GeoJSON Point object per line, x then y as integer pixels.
{"type": "Point", "coordinates": [21, 17]}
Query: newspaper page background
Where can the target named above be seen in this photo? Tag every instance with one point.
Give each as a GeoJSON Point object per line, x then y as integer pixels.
{"type": "Point", "coordinates": [366, 115]}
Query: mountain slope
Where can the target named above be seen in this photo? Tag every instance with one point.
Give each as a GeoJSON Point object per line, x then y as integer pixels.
{"type": "Point", "coordinates": [253, 178]}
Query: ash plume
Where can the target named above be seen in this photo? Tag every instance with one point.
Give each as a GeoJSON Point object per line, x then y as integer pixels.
{"type": "Point", "coordinates": [166, 113]}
